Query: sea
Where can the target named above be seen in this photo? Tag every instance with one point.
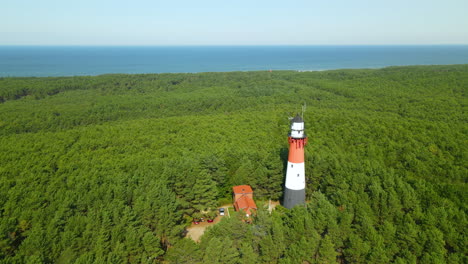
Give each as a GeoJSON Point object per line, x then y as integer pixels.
{"type": "Point", "coordinates": [43, 61]}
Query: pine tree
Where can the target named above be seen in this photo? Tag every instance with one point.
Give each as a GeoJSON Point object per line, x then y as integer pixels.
{"type": "Point", "coordinates": [220, 250]}
{"type": "Point", "coordinates": [204, 193]}
{"type": "Point", "coordinates": [247, 254]}
{"type": "Point", "coordinates": [159, 210]}
{"type": "Point", "coordinates": [356, 249]}
{"type": "Point", "coordinates": [151, 245]}
{"type": "Point", "coordinates": [184, 251]}
{"type": "Point", "coordinates": [326, 252]}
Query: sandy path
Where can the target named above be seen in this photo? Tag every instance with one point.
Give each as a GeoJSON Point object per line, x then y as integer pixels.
{"type": "Point", "coordinates": [196, 231]}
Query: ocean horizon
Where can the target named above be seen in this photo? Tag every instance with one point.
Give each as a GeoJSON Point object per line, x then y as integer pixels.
{"type": "Point", "coordinates": [53, 61]}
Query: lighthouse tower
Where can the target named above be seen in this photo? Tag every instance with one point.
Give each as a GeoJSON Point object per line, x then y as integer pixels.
{"type": "Point", "coordinates": [294, 191]}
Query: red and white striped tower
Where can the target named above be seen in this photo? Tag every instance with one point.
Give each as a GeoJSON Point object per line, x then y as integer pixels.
{"type": "Point", "coordinates": [294, 191]}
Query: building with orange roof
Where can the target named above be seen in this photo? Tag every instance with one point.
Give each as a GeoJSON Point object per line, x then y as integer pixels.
{"type": "Point", "coordinates": [243, 199]}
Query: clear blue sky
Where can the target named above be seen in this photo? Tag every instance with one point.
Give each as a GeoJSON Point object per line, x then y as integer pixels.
{"type": "Point", "coordinates": [236, 22]}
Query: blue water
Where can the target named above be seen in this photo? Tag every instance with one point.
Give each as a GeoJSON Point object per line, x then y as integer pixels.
{"type": "Point", "coordinates": [88, 60]}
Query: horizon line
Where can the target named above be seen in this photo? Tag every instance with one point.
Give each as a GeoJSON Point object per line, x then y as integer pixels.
{"type": "Point", "coordinates": [218, 45]}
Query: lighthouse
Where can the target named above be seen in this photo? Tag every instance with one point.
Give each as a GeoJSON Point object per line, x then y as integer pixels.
{"type": "Point", "coordinates": [294, 191]}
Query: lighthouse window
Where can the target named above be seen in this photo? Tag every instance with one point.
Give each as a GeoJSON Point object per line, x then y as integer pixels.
{"type": "Point", "coordinates": [298, 175]}
{"type": "Point", "coordinates": [291, 165]}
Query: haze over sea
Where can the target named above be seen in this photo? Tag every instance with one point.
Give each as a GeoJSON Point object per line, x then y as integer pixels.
{"type": "Point", "coordinates": [94, 60]}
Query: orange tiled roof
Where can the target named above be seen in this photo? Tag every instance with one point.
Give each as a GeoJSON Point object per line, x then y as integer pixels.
{"type": "Point", "coordinates": [245, 202]}
{"type": "Point", "coordinates": [242, 189]}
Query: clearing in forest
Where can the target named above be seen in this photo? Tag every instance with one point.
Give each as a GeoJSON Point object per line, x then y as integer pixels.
{"type": "Point", "coordinates": [195, 231]}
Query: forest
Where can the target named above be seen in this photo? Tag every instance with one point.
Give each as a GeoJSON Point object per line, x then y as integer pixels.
{"type": "Point", "coordinates": [112, 168]}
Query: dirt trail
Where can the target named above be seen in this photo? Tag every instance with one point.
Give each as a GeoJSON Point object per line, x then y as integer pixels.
{"type": "Point", "coordinates": [196, 231]}
{"type": "Point", "coordinates": [272, 205]}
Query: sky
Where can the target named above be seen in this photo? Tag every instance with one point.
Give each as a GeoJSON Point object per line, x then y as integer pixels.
{"type": "Point", "coordinates": [236, 22]}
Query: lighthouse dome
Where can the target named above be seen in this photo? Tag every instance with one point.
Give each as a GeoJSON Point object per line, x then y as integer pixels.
{"type": "Point", "coordinates": [297, 119]}
{"type": "Point", "coordinates": [297, 127]}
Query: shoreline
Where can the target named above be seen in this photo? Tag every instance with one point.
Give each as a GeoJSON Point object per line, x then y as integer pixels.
{"type": "Point", "coordinates": [242, 71]}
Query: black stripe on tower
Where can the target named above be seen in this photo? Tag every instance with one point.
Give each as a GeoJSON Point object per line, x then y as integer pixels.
{"type": "Point", "coordinates": [293, 197]}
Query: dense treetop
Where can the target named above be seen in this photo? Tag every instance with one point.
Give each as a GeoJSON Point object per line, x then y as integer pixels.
{"type": "Point", "coordinates": [112, 168]}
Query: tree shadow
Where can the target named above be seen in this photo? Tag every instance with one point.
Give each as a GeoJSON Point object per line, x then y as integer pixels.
{"type": "Point", "coordinates": [283, 153]}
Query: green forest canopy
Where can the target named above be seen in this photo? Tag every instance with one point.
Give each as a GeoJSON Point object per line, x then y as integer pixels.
{"type": "Point", "coordinates": [112, 168]}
